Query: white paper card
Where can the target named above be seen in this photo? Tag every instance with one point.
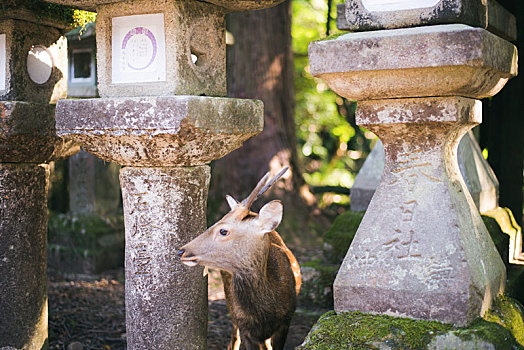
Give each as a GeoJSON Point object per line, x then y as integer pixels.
{"type": "Point", "coordinates": [139, 49]}
{"type": "Point", "coordinates": [397, 5]}
{"type": "Point", "coordinates": [3, 66]}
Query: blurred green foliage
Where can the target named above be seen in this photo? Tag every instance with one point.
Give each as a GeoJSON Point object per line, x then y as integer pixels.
{"type": "Point", "coordinates": [69, 16]}
{"type": "Point", "coordinates": [331, 146]}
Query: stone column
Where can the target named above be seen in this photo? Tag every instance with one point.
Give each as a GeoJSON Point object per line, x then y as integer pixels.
{"type": "Point", "coordinates": [33, 57]}
{"type": "Point", "coordinates": [158, 63]}
{"type": "Point", "coordinates": [163, 205]}
{"type": "Point", "coordinates": [421, 250]}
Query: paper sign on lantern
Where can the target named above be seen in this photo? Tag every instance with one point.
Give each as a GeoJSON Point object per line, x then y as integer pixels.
{"type": "Point", "coordinates": [397, 5]}
{"type": "Point", "coordinates": [138, 48]}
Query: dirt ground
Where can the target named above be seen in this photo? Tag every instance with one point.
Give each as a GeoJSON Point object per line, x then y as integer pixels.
{"type": "Point", "coordinates": [88, 312]}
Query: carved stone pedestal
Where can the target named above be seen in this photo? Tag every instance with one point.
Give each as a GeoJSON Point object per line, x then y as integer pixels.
{"type": "Point", "coordinates": [421, 250]}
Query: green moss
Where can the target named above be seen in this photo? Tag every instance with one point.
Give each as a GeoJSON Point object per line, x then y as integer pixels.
{"type": "Point", "coordinates": [340, 235]}
{"type": "Point", "coordinates": [493, 333]}
{"type": "Point", "coordinates": [355, 330]}
{"type": "Point", "coordinates": [508, 313]}
{"type": "Point", "coordinates": [318, 291]}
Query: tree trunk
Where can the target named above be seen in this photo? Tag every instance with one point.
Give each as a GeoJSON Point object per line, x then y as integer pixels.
{"type": "Point", "coordinates": [260, 66]}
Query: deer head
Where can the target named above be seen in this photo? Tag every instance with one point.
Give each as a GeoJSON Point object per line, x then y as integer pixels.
{"type": "Point", "coordinates": [239, 240]}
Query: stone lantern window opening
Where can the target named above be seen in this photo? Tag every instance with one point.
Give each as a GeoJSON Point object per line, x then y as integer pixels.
{"type": "Point", "coordinates": [39, 64]}
{"type": "Point", "coordinates": [82, 66]}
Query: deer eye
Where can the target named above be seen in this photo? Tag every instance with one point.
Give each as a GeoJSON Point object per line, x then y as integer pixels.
{"type": "Point", "coordinates": [223, 232]}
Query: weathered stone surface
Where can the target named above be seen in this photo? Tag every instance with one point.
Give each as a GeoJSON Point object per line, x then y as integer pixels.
{"type": "Point", "coordinates": [191, 27]}
{"type": "Point", "coordinates": [160, 131]}
{"type": "Point", "coordinates": [21, 37]}
{"type": "Point", "coordinates": [23, 276]}
{"type": "Point", "coordinates": [232, 5]}
{"type": "Point", "coordinates": [443, 60]}
{"type": "Point", "coordinates": [500, 21]}
{"type": "Point", "coordinates": [166, 302]}
{"type": "Point", "coordinates": [243, 5]}
{"type": "Point", "coordinates": [363, 15]}
{"type": "Point", "coordinates": [28, 134]}
{"type": "Point", "coordinates": [372, 14]}
{"type": "Point", "coordinates": [476, 172]}
{"type": "Point", "coordinates": [421, 250]}
{"type": "Point", "coordinates": [367, 179]}
{"type": "Point", "coordinates": [507, 224]}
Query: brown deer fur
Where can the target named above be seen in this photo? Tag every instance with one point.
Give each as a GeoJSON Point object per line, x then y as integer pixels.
{"type": "Point", "coordinates": [260, 274]}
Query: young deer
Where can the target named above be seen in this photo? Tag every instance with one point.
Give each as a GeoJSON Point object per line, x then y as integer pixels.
{"type": "Point", "coordinates": [260, 274]}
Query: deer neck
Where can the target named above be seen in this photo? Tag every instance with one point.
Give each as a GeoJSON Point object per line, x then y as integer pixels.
{"type": "Point", "coordinates": [255, 272]}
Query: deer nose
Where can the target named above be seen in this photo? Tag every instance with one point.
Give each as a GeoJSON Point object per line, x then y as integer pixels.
{"type": "Point", "coordinates": [181, 252]}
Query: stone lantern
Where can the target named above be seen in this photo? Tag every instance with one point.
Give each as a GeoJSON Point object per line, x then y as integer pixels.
{"type": "Point", "coordinates": [33, 74]}
{"type": "Point", "coordinates": [418, 70]}
{"type": "Point", "coordinates": [163, 116]}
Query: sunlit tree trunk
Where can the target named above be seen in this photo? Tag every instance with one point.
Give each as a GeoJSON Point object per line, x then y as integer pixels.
{"type": "Point", "coordinates": [260, 66]}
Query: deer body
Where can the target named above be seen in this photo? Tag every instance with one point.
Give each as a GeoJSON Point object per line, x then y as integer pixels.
{"type": "Point", "coordinates": [260, 274]}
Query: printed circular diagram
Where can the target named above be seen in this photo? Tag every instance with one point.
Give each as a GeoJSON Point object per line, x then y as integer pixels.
{"type": "Point", "coordinates": [39, 64]}
{"type": "Point", "coordinates": [397, 5]}
{"type": "Point", "coordinates": [139, 48]}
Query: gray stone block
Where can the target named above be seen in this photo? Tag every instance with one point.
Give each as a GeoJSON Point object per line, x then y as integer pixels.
{"type": "Point", "coordinates": [23, 242]}
{"type": "Point", "coordinates": [47, 64]}
{"type": "Point", "coordinates": [166, 302]}
{"type": "Point", "coordinates": [500, 21]}
{"type": "Point", "coordinates": [422, 250]}
{"type": "Point", "coordinates": [28, 134]}
{"type": "Point", "coordinates": [443, 60]}
{"type": "Point", "coordinates": [191, 28]}
{"type": "Point", "coordinates": [160, 131]}
{"type": "Point", "coordinates": [475, 170]}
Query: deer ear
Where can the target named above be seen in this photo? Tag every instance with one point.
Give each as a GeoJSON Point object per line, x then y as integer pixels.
{"type": "Point", "coordinates": [270, 216]}
{"type": "Point", "coordinates": [231, 201]}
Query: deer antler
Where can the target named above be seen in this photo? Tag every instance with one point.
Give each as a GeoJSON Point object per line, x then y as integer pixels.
{"type": "Point", "coordinates": [262, 187]}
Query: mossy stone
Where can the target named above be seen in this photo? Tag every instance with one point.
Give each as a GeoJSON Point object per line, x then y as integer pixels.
{"type": "Point", "coordinates": [338, 238]}
{"type": "Point", "coordinates": [509, 313]}
{"type": "Point", "coordinates": [502, 329]}
{"type": "Point", "coordinates": [317, 284]}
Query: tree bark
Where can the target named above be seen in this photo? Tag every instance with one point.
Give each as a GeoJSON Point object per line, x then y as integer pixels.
{"type": "Point", "coordinates": [260, 66]}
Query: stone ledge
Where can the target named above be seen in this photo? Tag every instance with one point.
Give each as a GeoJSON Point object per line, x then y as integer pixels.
{"type": "Point", "coordinates": [441, 60]}
{"type": "Point", "coordinates": [28, 134]}
{"type": "Point", "coordinates": [160, 131]}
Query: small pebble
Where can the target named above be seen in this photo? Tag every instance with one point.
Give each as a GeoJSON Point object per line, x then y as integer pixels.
{"type": "Point", "coordinates": [75, 346]}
